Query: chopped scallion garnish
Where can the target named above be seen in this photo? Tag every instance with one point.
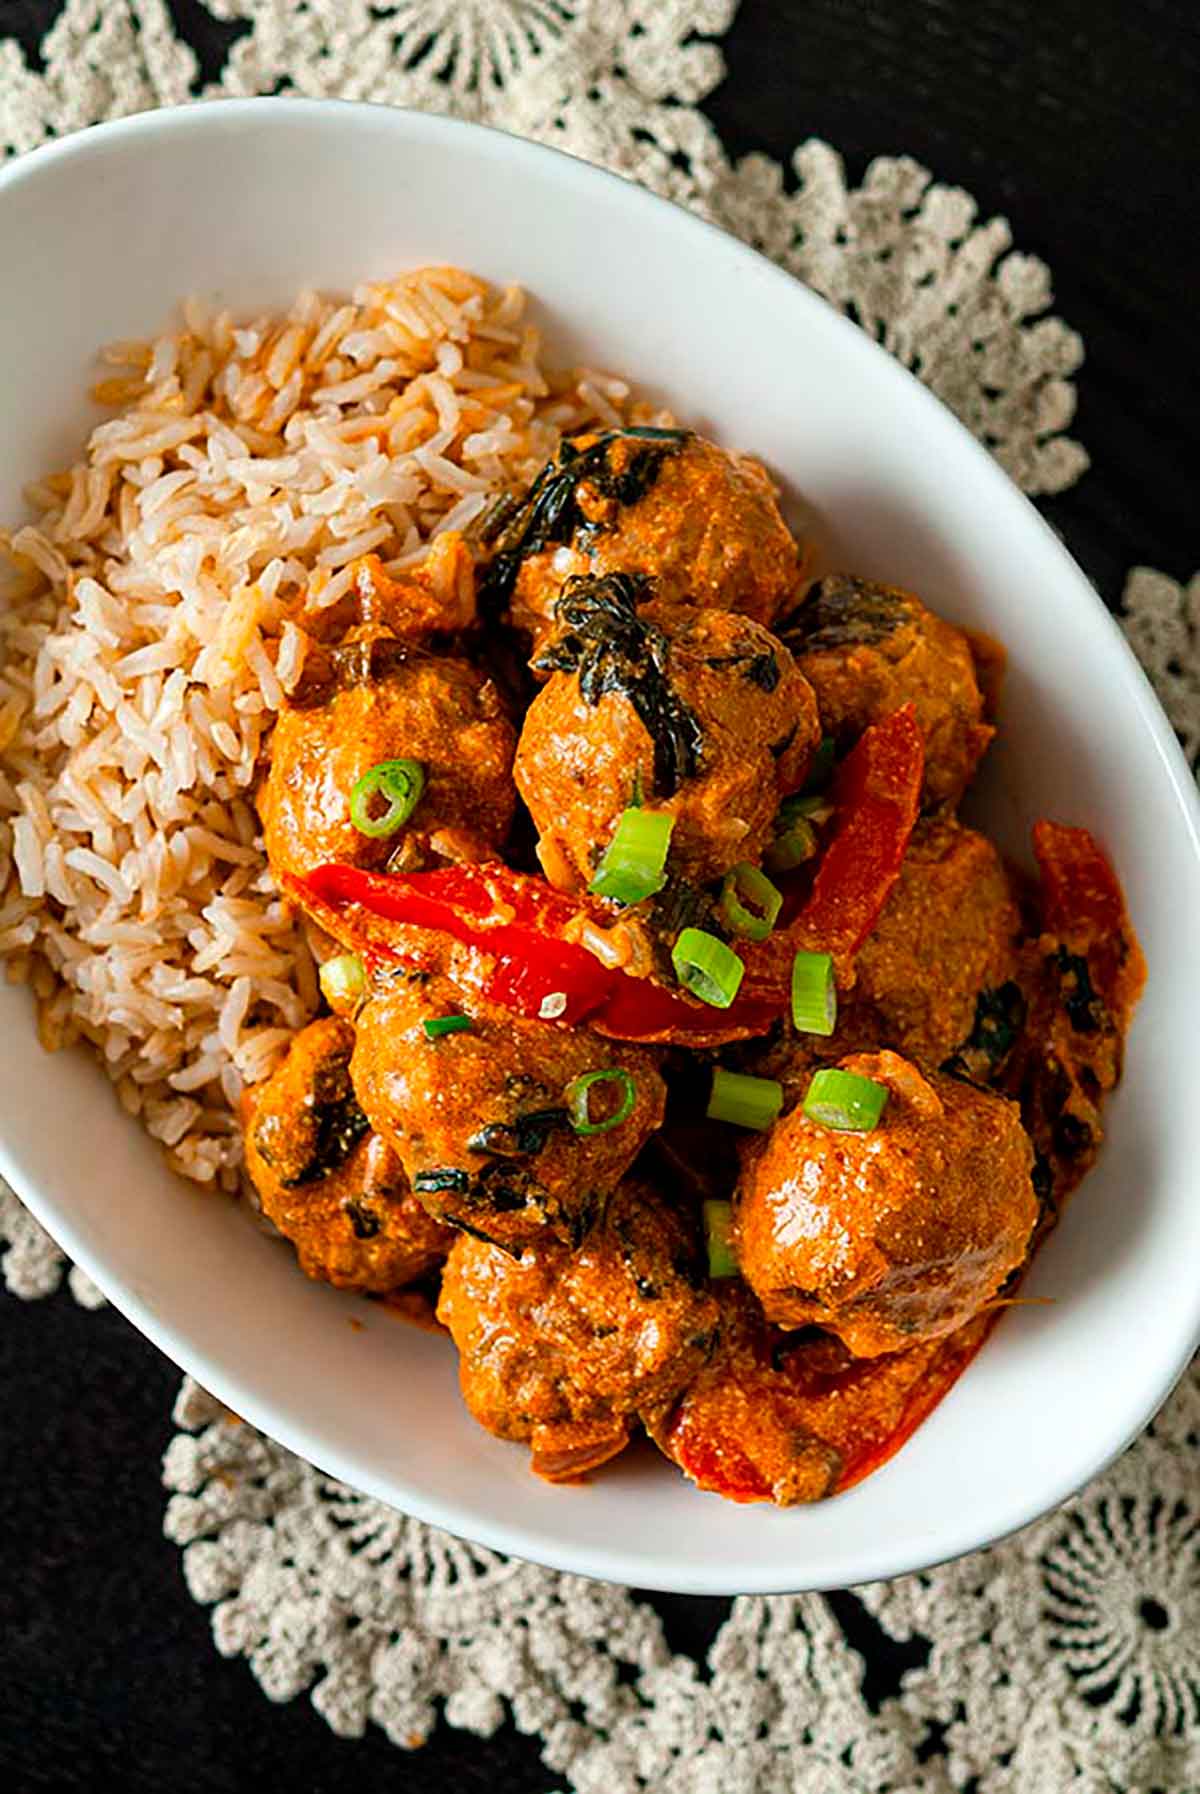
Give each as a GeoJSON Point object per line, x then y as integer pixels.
{"type": "Point", "coordinates": [814, 994]}
{"type": "Point", "coordinates": [792, 847]}
{"type": "Point", "coordinates": [342, 981]}
{"type": "Point", "coordinates": [707, 967]}
{"type": "Point", "coordinates": [718, 1225]}
{"type": "Point", "coordinates": [634, 862]}
{"type": "Point", "coordinates": [579, 1100]}
{"type": "Point", "coordinates": [744, 1101]}
{"type": "Point", "coordinates": [845, 1102]}
{"type": "Point", "coordinates": [437, 1025]}
{"type": "Point", "coordinates": [750, 903]}
{"type": "Point", "coordinates": [814, 807]}
{"type": "Point", "coordinates": [399, 783]}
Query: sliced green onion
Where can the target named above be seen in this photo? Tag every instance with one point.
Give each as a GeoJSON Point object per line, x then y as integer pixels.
{"type": "Point", "coordinates": [821, 770]}
{"type": "Point", "coordinates": [579, 1100]}
{"type": "Point", "coordinates": [814, 994]}
{"type": "Point", "coordinates": [845, 1102]}
{"type": "Point", "coordinates": [400, 783]}
{"type": "Point", "coordinates": [707, 967]}
{"type": "Point", "coordinates": [718, 1223]}
{"type": "Point", "coordinates": [745, 1101]}
{"type": "Point", "coordinates": [437, 1025]}
{"type": "Point", "coordinates": [743, 887]}
{"type": "Point", "coordinates": [790, 849]}
{"type": "Point", "coordinates": [635, 860]}
{"type": "Point", "coordinates": [815, 808]}
{"type": "Point", "coordinates": [342, 981]}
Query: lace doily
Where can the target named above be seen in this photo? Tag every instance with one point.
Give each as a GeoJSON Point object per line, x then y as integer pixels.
{"type": "Point", "coordinates": [1067, 1659]}
{"type": "Point", "coordinates": [1064, 1661]}
{"type": "Point", "coordinates": [1162, 624]}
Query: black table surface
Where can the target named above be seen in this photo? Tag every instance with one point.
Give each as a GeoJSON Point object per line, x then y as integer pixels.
{"type": "Point", "coordinates": [1077, 121]}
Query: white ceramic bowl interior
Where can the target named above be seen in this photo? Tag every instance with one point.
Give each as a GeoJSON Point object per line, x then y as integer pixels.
{"type": "Point", "coordinates": [246, 202]}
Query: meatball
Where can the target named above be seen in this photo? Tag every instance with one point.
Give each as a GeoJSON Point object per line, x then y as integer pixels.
{"type": "Point", "coordinates": [868, 649]}
{"type": "Point", "coordinates": [331, 1186]}
{"type": "Point", "coordinates": [794, 1418]}
{"type": "Point", "coordinates": [702, 523]}
{"type": "Point", "coordinates": [700, 713]}
{"type": "Point", "coordinates": [895, 1235]}
{"type": "Point", "coordinates": [376, 698]}
{"type": "Point", "coordinates": [481, 1118]}
{"type": "Point", "coordinates": [938, 978]}
{"type": "Point", "coordinates": [566, 1350]}
{"type": "Point", "coordinates": [948, 932]}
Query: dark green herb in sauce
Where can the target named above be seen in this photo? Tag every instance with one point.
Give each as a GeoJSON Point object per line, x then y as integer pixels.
{"type": "Point", "coordinates": [477, 1233]}
{"type": "Point", "coordinates": [504, 1187]}
{"type": "Point", "coordinates": [761, 668]}
{"type": "Point", "coordinates": [1085, 1009]}
{"type": "Point", "coordinates": [323, 1136]}
{"type": "Point", "coordinates": [550, 512]}
{"type": "Point", "coordinates": [435, 1183]}
{"type": "Point", "coordinates": [363, 1220]}
{"type": "Point", "coordinates": [999, 1018]}
{"type": "Point", "coordinates": [522, 1137]}
{"type": "Point", "coordinates": [601, 637]}
{"type": "Point", "coordinates": [844, 612]}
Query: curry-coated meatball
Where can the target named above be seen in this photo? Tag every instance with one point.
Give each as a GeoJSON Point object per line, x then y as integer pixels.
{"type": "Point", "coordinates": [485, 1119]}
{"type": "Point", "coordinates": [370, 699]}
{"type": "Point", "coordinates": [894, 1235]}
{"type": "Point", "coordinates": [704, 524]}
{"type": "Point", "coordinates": [868, 649]}
{"type": "Point", "coordinates": [947, 932]}
{"type": "Point", "coordinates": [566, 1350]}
{"type": "Point", "coordinates": [330, 1185]}
{"type": "Point", "coordinates": [937, 978]}
{"type": "Point", "coordinates": [699, 713]}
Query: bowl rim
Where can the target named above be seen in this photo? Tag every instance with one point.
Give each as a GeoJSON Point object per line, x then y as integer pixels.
{"type": "Point", "coordinates": [521, 1539]}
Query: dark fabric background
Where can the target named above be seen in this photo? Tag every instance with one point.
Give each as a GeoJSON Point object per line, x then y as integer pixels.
{"type": "Point", "coordinates": [1075, 119]}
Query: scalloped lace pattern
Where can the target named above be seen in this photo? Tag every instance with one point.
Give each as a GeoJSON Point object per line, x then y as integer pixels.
{"type": "Point", "coordinates": [1064, 1661]}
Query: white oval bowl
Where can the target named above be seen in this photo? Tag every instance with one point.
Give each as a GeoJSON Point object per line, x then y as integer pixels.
{"type": "Point", "coordinates": [247, 201]}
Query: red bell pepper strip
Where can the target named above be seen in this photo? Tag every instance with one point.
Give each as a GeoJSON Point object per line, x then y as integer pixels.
{"type": "Point", "coordinates": [876, 797]}
{"type": "Point", "coordinates": [763, 1422]}
{"type": "Point", "coordinates": [514, 920]}
{"type": "Point", "coordinates": [950, 1359]}
{"type": "Point", "coordinates": [1079, 887]}
{"type": "Point", "coordinates": [1083, 904]}
{"type": "Point", "coordinates": [517, 923]}
{"type": "Point", "coordinates": [520, 923]}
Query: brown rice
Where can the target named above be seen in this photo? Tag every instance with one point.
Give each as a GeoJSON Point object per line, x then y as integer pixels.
{"type": "Point", "coordinates": [150, 633]}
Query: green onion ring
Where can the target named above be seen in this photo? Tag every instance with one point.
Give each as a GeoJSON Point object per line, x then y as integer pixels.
{"type": "Point", "coordinates": [747, 885]}
{"type": "Point", "coordinates": [744, 1101]}
{"type": "Point", "coordinates": [634, 863]}
{"type": "Point", "coordinates": [707, 967]}
{"type": "Point", "coordinates": [578, 1096]}
{"type": "Point", "coordinates": [401, 782]}
{"type": "Point", "coordinates": [845, 1102]}
{"type": "Point", "coordinates": [718, 1224]}
{"type": "Point", "coordinates": [814, 994]}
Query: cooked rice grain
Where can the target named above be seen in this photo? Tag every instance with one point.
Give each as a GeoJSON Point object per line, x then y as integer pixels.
{"type": "Point", "coordinates": [149, 634]}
